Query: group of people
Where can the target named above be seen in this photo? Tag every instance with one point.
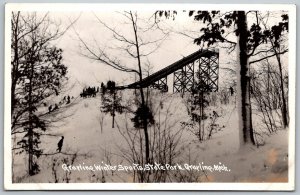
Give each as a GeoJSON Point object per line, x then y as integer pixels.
{"type": "Point", "coordinates": [66, 99]}
{"type": "Point", "coordinates": [89, 92]}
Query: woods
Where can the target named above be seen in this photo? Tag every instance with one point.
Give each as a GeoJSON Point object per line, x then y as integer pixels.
{"type": "Point", "coordinates": [101, 95]}
{"type": "Point", "coordinates": [248, 42]}
{"type": "Point", "coordinates": [37, 73]}
{"type": "Point", "coordinates": [133, 46]}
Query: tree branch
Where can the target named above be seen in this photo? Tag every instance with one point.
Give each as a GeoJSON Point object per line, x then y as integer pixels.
{"type": "Point", "coordinates": [269, 56]}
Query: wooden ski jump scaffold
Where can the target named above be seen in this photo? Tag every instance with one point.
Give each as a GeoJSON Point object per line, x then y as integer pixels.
{"type": "Point", "coordinates": [207, 62]}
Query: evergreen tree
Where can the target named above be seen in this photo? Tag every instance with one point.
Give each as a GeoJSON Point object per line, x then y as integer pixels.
{"type": "Point", "coordinates": [111, 101]}
{"type": "Point", "coordinates": [37, 73]}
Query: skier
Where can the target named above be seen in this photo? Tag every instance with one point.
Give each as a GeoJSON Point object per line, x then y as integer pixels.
{"type": "Point", "coordinates": [68, 100]}
{"type": "Point", "coordinates": [231, 91]}
{"type": "Point", "coordinates": [60, 144]}
{"type": "Point", "coordinates": [50, 108]}
{"type": "Point", "coordinates": [215, 114]}
{"type": "Point", "coordinates": [55, 107]}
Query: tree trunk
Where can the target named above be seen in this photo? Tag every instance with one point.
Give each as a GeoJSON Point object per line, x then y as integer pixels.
{"type": "Point", "coordinates": [113, 110]}
{"type": "Point", "coordinates": [283, 108]}
{"type": "Point", "coordinates": [243, 76]}
{"type": "Point", "coordinates": [30, 129]}
{"type": "Point", "coordinates": [15, 64]}
{"type": "Point", "coordinates": [145, 125]}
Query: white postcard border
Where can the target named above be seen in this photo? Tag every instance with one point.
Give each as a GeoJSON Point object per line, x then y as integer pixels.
{"type": "Point", "coordinates": [70, 7]}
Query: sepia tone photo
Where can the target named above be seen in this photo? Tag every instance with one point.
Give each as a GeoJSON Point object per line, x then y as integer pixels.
{"type": "Point", "coordinates": [175, 95]}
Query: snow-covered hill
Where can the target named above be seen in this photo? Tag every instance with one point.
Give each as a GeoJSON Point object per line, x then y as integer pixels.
{"type": "Point", "coordinates": [80, 124]}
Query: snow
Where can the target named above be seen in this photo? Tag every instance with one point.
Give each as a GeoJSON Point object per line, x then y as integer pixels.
{"type": "Point", "coordinates": [82, 132]}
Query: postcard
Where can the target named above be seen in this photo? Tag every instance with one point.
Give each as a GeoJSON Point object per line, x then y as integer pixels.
{"type": "Point", "coordinates": [149, 96]}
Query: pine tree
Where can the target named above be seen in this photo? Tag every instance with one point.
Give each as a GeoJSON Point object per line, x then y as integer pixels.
{"type": "Point", "coordinates": [37, 73]}
{"type": "Point", "coordinates": [111, 101]}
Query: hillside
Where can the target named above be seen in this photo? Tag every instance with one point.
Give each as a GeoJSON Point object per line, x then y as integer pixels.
{"type": "Point", "coordinates": [80, 124]}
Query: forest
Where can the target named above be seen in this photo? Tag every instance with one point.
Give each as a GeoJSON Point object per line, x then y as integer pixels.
{"type": "Point", "coordinates": [116, 103]}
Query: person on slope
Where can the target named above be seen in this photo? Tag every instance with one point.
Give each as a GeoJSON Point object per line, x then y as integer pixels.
{"type": "Point", "coordinates": [60, 144]}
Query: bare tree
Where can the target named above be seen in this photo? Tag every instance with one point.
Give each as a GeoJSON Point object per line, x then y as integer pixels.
{"type": "Point", "coordinates": [164, 140]}
{"type": "Point", "coordinates": [37, 74]}
{"type": "Point", "coordinates": [31, 33]}
{"type": "Point", "coordinates": [57, 162]}
{"type": "Point", "coordinates": [277, 40]}
{"type": "Point", "coordinates": [135, 46]}
{"type": "Point", "coordinates": [101, 121]}
{"type": "Point", "coordinates": [265, 82]}
{"type": "Point", "coordinates": [249, 39]}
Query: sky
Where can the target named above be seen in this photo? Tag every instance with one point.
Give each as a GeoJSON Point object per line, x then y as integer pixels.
{"type": "Point", "coordinates": [91, 72]}
{"type": "Point", "coordinates": [88, 27]}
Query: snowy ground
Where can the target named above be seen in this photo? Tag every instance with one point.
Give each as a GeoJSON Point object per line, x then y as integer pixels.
{"type": "Point", "coordinates": [83, 134]}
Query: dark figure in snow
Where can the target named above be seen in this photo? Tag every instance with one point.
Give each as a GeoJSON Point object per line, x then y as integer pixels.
{"type": "Point", "coordinates": [231, 91]}
{"type": "Point", "coordinates": [215, 114]}
{"type": "Point", "coordinates": [64, 99]}
{"type": "Point", "coordinates": [55, 107]}
{"type": "Point", "coordinates": [60, 144]}
{"type": "Point", "coordinates": [50, 108]}
{"type": "Point", "coordinates": [68, 100]}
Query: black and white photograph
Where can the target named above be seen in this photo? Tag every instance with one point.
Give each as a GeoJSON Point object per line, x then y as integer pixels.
{"type": "Point", "coordinates": [149, 96]}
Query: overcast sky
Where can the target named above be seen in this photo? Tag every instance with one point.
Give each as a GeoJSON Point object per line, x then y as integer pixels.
{"type": "Point", "coordinates": [90, 72]}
